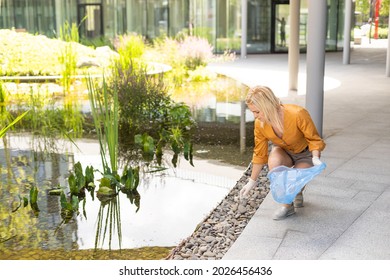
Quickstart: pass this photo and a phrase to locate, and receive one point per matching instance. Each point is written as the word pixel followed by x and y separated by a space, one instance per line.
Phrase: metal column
pixel 388 51
pixel 315 60
pixel 347 32
pixel 293 45
pixel 244 26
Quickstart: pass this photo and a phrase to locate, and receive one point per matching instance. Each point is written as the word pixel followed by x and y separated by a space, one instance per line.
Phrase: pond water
pixel 172 202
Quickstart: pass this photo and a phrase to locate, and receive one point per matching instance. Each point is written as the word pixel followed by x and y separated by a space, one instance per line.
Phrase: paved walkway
pixel 347 207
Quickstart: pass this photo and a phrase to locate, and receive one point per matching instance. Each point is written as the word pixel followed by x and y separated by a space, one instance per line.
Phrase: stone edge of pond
pixel 222 226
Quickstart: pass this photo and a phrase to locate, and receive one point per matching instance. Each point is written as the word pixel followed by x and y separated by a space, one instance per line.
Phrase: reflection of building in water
pixel 25 168
pixel 220 112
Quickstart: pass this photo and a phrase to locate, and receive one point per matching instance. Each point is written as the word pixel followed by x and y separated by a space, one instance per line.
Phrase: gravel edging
pixel 217 232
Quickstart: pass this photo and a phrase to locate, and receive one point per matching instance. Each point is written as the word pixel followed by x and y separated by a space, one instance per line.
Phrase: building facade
pixel 217 20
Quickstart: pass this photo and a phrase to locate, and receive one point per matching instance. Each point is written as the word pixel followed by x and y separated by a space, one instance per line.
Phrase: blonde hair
pixel 267 103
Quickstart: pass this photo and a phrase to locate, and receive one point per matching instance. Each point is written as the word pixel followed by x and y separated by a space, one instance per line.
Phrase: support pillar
pixel 315 60
pixel 243 127
pixel 347 32
pixel 244 26
pixel 293 45
pixel 388 51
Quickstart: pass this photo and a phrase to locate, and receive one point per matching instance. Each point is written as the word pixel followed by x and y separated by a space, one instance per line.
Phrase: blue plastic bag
pixel 287 182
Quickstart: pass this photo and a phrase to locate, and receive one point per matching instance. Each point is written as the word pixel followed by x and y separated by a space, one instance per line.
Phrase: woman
pixel 294 137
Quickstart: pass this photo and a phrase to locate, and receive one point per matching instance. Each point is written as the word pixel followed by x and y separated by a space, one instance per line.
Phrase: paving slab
pixel 347 210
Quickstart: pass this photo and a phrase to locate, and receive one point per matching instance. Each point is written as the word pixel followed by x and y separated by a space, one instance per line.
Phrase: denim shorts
pixel 304 156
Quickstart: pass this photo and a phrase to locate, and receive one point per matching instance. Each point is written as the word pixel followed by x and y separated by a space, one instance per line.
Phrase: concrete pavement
pixel 347 209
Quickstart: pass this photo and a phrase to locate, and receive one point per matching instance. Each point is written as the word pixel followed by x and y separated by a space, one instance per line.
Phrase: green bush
pixel 130 47
pixel 146 109
pixel 382 32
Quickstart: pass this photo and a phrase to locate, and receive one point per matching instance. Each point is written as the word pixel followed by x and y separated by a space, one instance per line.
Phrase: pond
pixel 173 202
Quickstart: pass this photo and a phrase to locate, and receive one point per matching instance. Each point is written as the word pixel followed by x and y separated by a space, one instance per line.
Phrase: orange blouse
pixel 299 132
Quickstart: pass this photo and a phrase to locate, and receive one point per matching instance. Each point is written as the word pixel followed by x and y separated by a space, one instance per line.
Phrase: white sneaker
pixel 284 212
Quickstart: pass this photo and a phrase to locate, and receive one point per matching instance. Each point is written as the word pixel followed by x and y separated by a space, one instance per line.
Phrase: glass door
pixel 280 26
pixel 90 18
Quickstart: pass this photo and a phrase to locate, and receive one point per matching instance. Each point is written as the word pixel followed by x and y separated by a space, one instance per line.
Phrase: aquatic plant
pixel 68 55
pixel 17 119
pixel 105 112
pixel 149 121
pixel 6 121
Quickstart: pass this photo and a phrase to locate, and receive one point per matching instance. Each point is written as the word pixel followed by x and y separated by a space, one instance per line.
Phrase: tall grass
pixel 68 56
pixel 17 119
pixel 105 113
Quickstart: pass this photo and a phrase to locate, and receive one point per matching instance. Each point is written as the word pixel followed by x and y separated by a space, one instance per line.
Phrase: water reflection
pixel 172 202
pixel 218 102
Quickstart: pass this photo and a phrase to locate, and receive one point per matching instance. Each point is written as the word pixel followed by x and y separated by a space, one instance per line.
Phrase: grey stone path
pixel 347 207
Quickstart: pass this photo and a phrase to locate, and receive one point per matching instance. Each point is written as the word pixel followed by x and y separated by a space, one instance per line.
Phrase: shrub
pixel 129 46
pixel 149 115
pixel 195 51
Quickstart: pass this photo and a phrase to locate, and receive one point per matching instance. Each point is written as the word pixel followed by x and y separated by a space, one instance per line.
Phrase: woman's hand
pixel 316 160
pixel 246 189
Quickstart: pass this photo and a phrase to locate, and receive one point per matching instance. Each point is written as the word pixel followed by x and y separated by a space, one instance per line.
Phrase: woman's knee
pixel 278 157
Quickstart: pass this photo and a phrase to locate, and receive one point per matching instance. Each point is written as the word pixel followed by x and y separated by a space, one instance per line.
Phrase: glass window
pixel 20 14
pixel 340 25
pixel 136 21
pixel 203 19
pixel 31 16
pixel 157 18
pixel 178 17
pixel 121 17
pixel 90 21
pixel 259 26
pixel 44 17
pixel 281 30
pixel 303 17
pixel 91 1
pixel 6 10
pixel 228 26
pixel 332 29
pixel 109 17
pixel 147 17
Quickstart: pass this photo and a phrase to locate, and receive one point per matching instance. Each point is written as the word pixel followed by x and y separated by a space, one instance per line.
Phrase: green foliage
pixel 226 44
pixel 96 42
pixel 24 54
pixel 130 47
pixel 68 55
pixel 382 33
pixel 130 181
pixel 184 54
pixel 17 119
pixel 69 206
pixel 201 74
pixel 34 199
pixel 105 112
pixel 149 119
pixel 47 121
pixel 146 143
pixel 78 182
pixel 203 32
pixel 195 51
pixel 363 6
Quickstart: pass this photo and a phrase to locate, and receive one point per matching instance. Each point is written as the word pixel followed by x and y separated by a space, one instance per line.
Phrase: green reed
pixel 105 113
pixel 68 56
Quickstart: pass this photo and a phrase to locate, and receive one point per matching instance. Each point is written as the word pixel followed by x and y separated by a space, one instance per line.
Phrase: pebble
pixel 217 232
